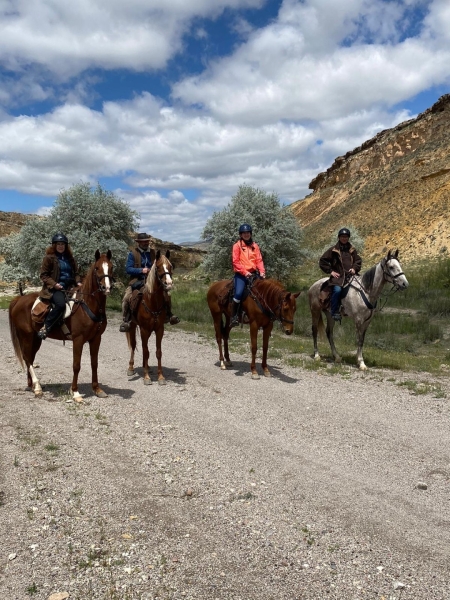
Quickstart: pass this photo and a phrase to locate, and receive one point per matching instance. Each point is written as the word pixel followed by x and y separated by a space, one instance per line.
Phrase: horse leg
pixel 77 352
pixel 159 336
pixel 131 338
pixel 330 327
pixel 145 356
pixel 361 328
pixel 29 352
pixel 218 330
pixel 33 381
pixel 94 347
pixel 316 316
pixel 226 337
pixel 254 345
pixel 266 335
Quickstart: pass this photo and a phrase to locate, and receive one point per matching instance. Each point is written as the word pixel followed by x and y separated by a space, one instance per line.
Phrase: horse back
pixel 217 295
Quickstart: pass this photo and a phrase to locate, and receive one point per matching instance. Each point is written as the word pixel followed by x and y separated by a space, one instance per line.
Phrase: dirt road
pixel 302 486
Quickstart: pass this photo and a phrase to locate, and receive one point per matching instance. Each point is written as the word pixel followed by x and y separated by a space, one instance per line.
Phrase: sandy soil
pixel 216 486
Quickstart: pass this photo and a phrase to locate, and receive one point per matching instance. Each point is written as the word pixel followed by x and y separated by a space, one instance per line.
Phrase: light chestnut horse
pixel 86 324
pixel 151 315
pixel 266 303
pixel 359 303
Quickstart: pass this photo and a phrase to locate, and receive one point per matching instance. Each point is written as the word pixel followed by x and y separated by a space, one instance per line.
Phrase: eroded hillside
pixel 395 188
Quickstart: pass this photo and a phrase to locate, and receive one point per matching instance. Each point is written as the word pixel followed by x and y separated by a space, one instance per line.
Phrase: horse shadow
pixel 60 392
pixel 170 375
pixel 241 369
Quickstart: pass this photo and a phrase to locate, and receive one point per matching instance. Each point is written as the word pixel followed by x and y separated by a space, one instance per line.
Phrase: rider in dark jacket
pixel 59 273
pixel 340 262
pixel 138 265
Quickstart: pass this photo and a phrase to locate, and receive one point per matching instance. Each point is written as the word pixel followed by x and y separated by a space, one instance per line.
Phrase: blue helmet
pixel 59 237
pixel 244 228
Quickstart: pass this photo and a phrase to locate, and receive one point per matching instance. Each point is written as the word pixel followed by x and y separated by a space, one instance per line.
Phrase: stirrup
pixel 124 327
pixel 174 320
pixel 42 333
pixel 234 321
pixel 336 317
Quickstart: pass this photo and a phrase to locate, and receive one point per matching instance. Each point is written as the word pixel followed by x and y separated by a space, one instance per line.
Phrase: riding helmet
pixel 245 228
pixel 344 231
pixel 59 237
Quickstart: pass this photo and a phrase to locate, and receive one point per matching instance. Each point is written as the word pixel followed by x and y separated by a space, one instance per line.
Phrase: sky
pixel 173 105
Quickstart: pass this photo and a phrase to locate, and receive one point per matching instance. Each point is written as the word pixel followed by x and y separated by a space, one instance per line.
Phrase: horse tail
pixel 13 331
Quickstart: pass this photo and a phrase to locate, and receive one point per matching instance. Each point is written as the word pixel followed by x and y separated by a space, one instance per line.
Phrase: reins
pixel 385 295
pixel 266 310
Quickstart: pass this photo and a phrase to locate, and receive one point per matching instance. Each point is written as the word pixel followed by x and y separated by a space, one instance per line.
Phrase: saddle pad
pixel 40 309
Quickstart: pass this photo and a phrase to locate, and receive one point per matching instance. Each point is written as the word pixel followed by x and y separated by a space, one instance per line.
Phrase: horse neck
pixel 270 292
pixel 378 284
pixel 91 293
pixel 152 286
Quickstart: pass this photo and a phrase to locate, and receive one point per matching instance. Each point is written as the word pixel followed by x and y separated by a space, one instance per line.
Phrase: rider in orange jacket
pixel 247 261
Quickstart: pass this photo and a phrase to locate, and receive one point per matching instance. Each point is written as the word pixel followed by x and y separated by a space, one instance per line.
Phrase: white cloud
pixel 313 84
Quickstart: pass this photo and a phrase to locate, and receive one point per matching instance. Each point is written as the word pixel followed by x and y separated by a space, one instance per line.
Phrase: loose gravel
pixel 215 486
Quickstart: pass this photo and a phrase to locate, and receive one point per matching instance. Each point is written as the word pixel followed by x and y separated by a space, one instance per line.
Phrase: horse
pixel 266 303
pixel 86 323
pixel 358 303
pixel 150 314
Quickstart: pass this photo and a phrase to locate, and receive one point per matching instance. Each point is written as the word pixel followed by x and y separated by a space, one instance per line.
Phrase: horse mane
pixel 271 289
pixel 151 278
pixel 368 277
pixel 88 280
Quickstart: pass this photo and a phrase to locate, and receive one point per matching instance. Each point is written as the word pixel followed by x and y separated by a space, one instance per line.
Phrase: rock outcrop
pixel 395 188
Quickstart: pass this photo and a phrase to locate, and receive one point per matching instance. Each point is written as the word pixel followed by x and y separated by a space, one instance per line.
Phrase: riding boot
pixel 235 314
pixel 125 325
pixel 170 317
pixel 51 320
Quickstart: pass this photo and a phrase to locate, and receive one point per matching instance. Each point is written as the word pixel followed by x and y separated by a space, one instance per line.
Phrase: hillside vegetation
pixel 395 188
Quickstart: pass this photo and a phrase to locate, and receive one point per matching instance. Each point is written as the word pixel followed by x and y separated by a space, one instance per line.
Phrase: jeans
pixel 239 286
pixel 335 299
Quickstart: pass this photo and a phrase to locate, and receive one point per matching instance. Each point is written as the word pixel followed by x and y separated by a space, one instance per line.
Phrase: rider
pixel 247 261
pixel 340 261
pixel 138 265
pixel 59 273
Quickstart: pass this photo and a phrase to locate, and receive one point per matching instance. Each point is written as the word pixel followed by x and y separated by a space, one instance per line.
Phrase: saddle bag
pixel 39 310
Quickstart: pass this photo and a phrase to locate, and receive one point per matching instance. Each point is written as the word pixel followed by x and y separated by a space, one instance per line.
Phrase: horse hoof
pixel 338 360
pixel 131 372
pixel 362 367
pixel 317 358
pixel 147 382
pixel 255 376
pixel 267 374
pixel 38 394
pixel 228 363
pixel 223 367
pixel 101 394
pixel 162 381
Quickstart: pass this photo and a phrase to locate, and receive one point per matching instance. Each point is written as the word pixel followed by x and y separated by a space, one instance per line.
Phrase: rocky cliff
pixel 395 188
pixel 11 222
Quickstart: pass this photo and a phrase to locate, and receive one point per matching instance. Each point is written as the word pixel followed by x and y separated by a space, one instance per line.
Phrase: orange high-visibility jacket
pixel 247 259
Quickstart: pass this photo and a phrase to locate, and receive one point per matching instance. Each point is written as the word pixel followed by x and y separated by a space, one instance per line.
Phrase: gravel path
pixel 215 486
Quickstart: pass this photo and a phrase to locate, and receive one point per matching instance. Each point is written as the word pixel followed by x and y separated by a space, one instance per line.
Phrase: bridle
pixel 272 314
pixel 387 276
pixel 164 275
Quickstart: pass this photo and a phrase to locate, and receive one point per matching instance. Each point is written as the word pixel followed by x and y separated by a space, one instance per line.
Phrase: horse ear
pixel 158 255
pixel 109 255
pixel 388 255
pixel 97 254
pixel 297 294
pixel 396 254
pixel 167 253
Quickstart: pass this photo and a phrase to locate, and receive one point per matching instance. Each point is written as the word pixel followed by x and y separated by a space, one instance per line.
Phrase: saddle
pixel 326 289
pixel 135 298
pixel 41 307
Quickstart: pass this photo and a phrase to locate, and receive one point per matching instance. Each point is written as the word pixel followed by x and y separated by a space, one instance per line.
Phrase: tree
pixel 91 218
pixel 275 229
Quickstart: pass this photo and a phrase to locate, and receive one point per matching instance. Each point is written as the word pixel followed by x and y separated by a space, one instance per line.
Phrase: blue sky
pixel 173 105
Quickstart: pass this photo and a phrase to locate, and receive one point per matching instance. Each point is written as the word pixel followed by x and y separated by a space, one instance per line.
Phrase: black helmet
pixel 344 231
pixel 244 228
pixel 59 237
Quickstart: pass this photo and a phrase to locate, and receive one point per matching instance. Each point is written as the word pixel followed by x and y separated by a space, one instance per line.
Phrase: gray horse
pixel 359 303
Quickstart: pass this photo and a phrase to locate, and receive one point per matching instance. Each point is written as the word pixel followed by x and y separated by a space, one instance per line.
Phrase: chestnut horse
pixel 86 323
pixel 267 302
pixel 150 315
